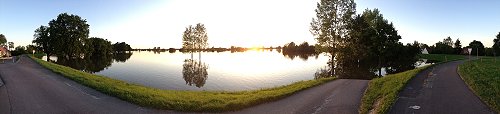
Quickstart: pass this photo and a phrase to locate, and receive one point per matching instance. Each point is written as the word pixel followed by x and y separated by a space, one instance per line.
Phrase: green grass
pixel 199 101
pixel 39 55
pixel 383 92
pixel 442 57
pixel 483 77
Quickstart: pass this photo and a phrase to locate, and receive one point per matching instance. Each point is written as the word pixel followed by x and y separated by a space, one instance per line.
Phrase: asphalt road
pixel 341 96
pixel 439 90
pixel 30 88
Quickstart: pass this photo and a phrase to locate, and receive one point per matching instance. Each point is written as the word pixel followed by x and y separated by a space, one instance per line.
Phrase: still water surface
pixel 217 71
pixel 223 71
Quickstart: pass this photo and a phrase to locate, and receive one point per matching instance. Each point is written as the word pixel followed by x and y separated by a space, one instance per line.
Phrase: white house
pixel 424 51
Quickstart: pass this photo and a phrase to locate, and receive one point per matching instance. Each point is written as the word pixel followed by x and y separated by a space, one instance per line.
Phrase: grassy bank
pixel 382 93
pixel 483 77
pixel 179 100
pixel 442 57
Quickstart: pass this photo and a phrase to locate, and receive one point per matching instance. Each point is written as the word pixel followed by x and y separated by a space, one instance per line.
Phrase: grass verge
pixel 383 92
pixel 442 57
pixel 199 101
pixel 483 77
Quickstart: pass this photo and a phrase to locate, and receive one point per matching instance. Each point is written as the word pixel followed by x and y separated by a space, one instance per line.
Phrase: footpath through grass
pixel 199 101
pixel 383 92
pixel 483 77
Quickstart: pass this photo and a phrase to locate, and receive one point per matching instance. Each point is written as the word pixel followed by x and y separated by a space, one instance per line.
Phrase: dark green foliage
pixel 488 52
pixel 402 57
pixel 19 50
pixel 69 34
pixel 121 47
pixel 3 40
pixel 457 47
pixel 99 47
pixel 43 41
pixel 65 36
pixel 477 48
pixel 444 47
pixel 496 45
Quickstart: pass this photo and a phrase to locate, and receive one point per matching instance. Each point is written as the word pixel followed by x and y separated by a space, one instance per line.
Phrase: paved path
pixel 30 88
pixel 439 90
pixel 341 96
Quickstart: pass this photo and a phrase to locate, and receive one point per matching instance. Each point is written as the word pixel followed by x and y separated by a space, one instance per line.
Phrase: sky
pixel 249 23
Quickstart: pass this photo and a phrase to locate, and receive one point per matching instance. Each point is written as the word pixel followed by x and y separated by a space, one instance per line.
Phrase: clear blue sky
pixel 145 24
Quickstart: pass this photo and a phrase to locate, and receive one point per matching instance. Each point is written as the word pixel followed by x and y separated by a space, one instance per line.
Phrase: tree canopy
pixel 121 46
pixel 444 47
pixel 365 38
pixel 70 33
pixel 496 44
pixel 67 37
pixel 3 40
pixel 457 46
pixel 99 47
pixel 43 40
pixel 330 26
pixel 195 37
pixel 477 46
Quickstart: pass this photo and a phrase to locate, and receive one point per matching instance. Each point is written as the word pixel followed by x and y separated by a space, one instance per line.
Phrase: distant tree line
pixel 67 37
pixel 447 46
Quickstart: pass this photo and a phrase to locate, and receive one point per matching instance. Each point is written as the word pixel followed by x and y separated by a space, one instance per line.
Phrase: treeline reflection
pixel 93 63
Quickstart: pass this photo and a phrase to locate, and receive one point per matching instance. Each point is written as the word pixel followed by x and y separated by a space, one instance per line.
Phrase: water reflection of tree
pixel 93 63
pixel 89 64
pixel 122 57
pixel 194 72
pixel 359 65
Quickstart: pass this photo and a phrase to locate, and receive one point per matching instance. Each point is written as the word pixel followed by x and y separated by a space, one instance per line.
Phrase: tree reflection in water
pixel 93 64
pixel 350 66
pixel 301 55
pixel 194 72
pixel 122 56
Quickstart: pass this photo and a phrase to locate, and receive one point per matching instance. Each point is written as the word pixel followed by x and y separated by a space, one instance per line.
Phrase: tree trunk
pixel 379 66
pixel 48 57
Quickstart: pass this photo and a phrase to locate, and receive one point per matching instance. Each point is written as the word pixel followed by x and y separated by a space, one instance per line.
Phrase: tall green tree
pixel 43 41
pixel 477 48
pixel 457 46
pixel 496 44
pixel 444 47
pixel 99 47
pixel 385 37
pixel 195 37
pixel 70 34
pixel 3 40
pixel 448 41
pixel 330 26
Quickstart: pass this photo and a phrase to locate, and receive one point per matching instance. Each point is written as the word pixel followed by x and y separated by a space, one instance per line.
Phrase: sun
pixel 256 47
